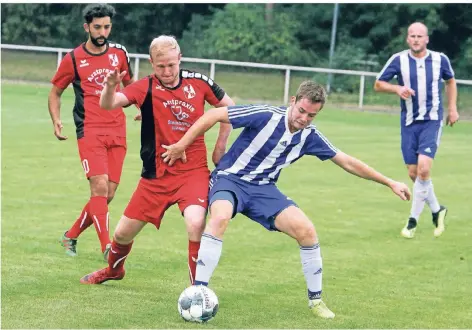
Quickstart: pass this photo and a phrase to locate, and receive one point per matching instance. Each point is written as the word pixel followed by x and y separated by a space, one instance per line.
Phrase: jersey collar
pixel 171 88
pixel 92 54
pixel 421 58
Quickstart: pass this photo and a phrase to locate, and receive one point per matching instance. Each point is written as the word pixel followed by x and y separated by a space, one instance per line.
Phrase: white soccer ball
pixel 197 303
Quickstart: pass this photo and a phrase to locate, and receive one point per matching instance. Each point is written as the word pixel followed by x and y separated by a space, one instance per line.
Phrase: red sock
pixel 83 222
pixel 98 208
pixel 117 256
pixel 193 248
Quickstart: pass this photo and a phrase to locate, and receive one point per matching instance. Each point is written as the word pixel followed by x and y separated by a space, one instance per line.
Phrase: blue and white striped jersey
pixel 266 145
pixel 424 76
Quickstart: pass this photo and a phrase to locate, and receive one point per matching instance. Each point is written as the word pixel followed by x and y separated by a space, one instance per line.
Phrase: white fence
pixel 287 68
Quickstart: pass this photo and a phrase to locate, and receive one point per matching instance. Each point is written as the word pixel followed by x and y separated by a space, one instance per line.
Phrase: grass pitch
pixel 373 278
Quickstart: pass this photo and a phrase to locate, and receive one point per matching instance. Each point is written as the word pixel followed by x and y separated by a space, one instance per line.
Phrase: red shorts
pixel 102 154
pixel 153 197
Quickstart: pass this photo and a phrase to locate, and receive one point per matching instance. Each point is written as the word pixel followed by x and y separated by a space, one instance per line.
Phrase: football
pixel 198 304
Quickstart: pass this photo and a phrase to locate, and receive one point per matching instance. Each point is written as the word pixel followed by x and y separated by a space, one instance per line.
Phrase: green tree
pixel 240 33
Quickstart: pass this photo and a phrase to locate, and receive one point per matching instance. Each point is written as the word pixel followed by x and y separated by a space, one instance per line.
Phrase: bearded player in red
pixel 101 134
pixel 171 100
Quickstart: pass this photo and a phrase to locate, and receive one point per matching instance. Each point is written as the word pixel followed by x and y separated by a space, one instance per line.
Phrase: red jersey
pixel 87 72
pixel 167 113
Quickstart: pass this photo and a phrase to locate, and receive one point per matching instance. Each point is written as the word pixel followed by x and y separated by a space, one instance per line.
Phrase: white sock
pixel 312 267
pixel 208 258
pixel 432 200
pixel 420 194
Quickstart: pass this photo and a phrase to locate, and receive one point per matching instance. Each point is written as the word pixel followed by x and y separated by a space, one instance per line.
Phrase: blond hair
pixel 312 91
pixel 162 45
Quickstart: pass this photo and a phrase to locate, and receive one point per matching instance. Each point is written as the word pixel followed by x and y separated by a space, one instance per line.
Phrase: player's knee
pixel 195 225
pixel 306 235
pixel 424 172
pixel 122 237
pixel 99 185
pixel 218 223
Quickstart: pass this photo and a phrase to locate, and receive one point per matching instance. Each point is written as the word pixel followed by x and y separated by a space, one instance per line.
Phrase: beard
pixel 98 42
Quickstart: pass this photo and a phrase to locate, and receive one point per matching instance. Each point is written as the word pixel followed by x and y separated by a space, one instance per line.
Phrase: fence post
pixel 136 68
pixel 286 86
pixel 212 71
pixel 361 92
pixel 59 58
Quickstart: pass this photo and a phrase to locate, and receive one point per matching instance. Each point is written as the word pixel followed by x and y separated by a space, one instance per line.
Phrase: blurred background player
pixel 101 135
pixel 171 100
pixel 245 179
pixel 420 73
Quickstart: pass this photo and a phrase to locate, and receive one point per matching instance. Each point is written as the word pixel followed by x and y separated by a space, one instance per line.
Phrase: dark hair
pixel 97 10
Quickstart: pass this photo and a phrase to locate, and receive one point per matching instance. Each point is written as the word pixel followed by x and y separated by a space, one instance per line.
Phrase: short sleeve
pixel 390 70
pixel 446 68
pixel 214 93
pixel 318 145
pixel 136 92
pixel 126 65
pixel 250 115
pixel 65 74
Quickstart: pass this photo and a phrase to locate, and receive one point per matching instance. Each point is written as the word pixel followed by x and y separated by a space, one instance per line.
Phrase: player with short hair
pixel 245 179
pixel 420 73
pixel 171 100
pixel 101 135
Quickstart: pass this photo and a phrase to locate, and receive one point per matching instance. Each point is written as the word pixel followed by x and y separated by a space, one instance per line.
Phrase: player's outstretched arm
pixel 361 169
pixel 110 99
pixel 54 105
pixel 203 124
pixel 403 91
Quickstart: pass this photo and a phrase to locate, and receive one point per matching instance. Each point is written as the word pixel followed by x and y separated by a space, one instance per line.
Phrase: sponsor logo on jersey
pixel 180 103
pixel 179 113
pixel 97 76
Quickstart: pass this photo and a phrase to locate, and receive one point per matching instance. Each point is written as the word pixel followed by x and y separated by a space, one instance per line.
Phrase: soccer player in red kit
pixel 101 134
pixel 171 100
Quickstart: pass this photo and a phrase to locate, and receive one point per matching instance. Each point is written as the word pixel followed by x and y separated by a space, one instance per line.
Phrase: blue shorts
pixel 260 203
pixel 421 137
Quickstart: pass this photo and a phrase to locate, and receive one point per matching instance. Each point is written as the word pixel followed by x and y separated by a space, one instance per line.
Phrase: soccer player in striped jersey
pixel 244 181
pixel 420 73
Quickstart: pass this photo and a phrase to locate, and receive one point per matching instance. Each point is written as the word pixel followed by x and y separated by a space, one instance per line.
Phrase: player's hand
pixel 58 131
pixel 114 78
pixel 405 92
pixel 173 153
pixel 452 117
pixel 401 190
pixel 138 116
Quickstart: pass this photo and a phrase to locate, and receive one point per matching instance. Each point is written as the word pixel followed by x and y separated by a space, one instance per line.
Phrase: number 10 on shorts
pixel 85 165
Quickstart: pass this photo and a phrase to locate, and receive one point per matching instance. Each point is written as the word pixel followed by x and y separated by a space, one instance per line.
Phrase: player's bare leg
pixel 125 233
pixel 294 222
pixel 194 216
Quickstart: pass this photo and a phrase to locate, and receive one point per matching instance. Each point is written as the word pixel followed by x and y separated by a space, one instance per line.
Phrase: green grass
pixel 373 278
pixel 241 83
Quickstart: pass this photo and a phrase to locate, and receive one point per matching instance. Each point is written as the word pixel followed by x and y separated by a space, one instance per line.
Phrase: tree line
pixel 294 34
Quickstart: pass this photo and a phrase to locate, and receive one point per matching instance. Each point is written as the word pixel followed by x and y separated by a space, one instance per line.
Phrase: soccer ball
pixel 197 304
